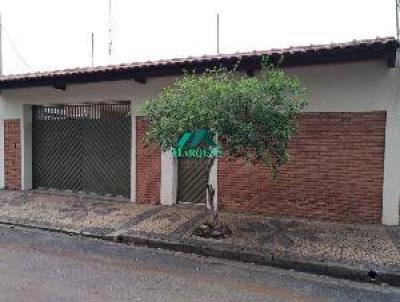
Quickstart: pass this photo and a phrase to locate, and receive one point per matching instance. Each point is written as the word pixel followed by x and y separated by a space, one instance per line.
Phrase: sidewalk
pixel 340 250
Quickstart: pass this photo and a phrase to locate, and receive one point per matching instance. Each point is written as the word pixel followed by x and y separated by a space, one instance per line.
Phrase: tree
pixel 250 117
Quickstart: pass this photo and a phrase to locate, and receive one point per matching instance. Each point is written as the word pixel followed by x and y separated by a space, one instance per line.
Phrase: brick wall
pixel 12 154
pixel 335 172
pixel 148 167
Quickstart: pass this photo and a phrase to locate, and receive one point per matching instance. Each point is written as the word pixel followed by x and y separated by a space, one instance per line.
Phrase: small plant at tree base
pixel 211 229
pixel 252 118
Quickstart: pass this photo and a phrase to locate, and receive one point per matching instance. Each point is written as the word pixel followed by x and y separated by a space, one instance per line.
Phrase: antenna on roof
pixel 397 20
pixel 1 48
pixel 110 43
pixel 92 49
pixel 218 33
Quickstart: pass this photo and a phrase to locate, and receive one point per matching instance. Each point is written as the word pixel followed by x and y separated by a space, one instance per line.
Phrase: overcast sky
pixel 54 34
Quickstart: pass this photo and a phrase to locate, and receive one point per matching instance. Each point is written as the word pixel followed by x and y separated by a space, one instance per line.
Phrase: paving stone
pixel 68 211
pixel 347 244
pixel 365 246
pixel 166 221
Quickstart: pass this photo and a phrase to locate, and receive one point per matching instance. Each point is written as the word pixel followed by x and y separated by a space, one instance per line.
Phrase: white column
pixel 169 178
pixel 213 180
pixel 391 184
pixel 26 148
pixel 2 154
pixel 133 159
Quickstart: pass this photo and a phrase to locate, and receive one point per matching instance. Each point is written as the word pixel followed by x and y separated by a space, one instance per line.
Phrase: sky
pixel 41 35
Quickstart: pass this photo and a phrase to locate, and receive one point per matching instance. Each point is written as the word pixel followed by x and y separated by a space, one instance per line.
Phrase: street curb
pixel 318 268
pixel 326 269
pixel 53 229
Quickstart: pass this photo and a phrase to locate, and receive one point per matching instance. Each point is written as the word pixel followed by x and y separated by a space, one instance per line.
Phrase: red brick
pixel 335 172
pixel 148 167
pixel 12 154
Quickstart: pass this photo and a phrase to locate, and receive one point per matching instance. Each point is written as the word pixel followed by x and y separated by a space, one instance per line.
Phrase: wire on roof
pixel 17 52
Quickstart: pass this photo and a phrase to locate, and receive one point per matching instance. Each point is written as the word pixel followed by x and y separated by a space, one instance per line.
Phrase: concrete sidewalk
pixel 341 250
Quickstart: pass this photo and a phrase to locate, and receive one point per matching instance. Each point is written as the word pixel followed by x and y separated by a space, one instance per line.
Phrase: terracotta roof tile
pixel 88 74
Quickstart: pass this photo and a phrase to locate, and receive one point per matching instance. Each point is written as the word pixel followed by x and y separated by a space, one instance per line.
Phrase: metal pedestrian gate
pixel 82 148
pixel 192 180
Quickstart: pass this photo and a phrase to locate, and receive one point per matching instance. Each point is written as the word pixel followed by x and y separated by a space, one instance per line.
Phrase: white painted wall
pixel 11 101
pixel 391 183
pixel 358 86
pixel 363 86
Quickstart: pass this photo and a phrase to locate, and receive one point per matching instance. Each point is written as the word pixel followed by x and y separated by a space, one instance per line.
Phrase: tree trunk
pixel 211 201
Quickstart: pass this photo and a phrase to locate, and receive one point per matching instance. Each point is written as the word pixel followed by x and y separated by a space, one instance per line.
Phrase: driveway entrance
pixel 82 148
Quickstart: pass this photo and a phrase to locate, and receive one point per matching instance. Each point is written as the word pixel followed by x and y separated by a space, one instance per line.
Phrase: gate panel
pixel 192 180
pixel 82 148
pixel 56 154
pixel 106 157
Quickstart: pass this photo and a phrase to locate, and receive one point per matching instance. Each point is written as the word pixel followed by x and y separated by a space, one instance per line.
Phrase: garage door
pixel 82 148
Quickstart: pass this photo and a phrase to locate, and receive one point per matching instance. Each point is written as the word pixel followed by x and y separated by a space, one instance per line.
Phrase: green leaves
pixel 254 117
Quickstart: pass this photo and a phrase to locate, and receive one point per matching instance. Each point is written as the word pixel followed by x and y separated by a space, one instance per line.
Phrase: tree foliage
pixel 252 117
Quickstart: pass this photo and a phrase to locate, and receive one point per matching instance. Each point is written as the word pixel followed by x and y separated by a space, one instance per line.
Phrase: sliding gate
pixel 82 148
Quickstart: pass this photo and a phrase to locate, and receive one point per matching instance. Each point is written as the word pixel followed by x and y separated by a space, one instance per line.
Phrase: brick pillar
pixel 148 167
pixel 12 154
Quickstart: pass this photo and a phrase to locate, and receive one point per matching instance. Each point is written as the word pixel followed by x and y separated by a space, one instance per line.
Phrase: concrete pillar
pixel 213 180
pixel 26 148
pixel 169 178
pixel 391 184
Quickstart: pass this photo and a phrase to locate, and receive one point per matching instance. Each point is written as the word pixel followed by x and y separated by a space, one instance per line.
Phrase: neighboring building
pixel 71 129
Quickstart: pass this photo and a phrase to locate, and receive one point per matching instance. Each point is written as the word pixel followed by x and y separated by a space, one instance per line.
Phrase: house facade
pixel 78 130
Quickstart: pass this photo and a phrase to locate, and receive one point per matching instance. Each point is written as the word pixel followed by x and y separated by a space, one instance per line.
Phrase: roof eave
pixel 248 62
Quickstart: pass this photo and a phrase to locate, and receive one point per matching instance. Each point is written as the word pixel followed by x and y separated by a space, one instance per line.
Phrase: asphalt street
pixel 43 266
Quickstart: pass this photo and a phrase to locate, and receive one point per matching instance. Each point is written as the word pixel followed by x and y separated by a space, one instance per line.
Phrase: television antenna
pixel 218 33
pixel 110 42
pixel 1 49
pixel 397 19
pixel 92 49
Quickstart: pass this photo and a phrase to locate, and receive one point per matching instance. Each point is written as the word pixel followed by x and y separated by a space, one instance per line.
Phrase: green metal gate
pixel 82 148
pixel 192 180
